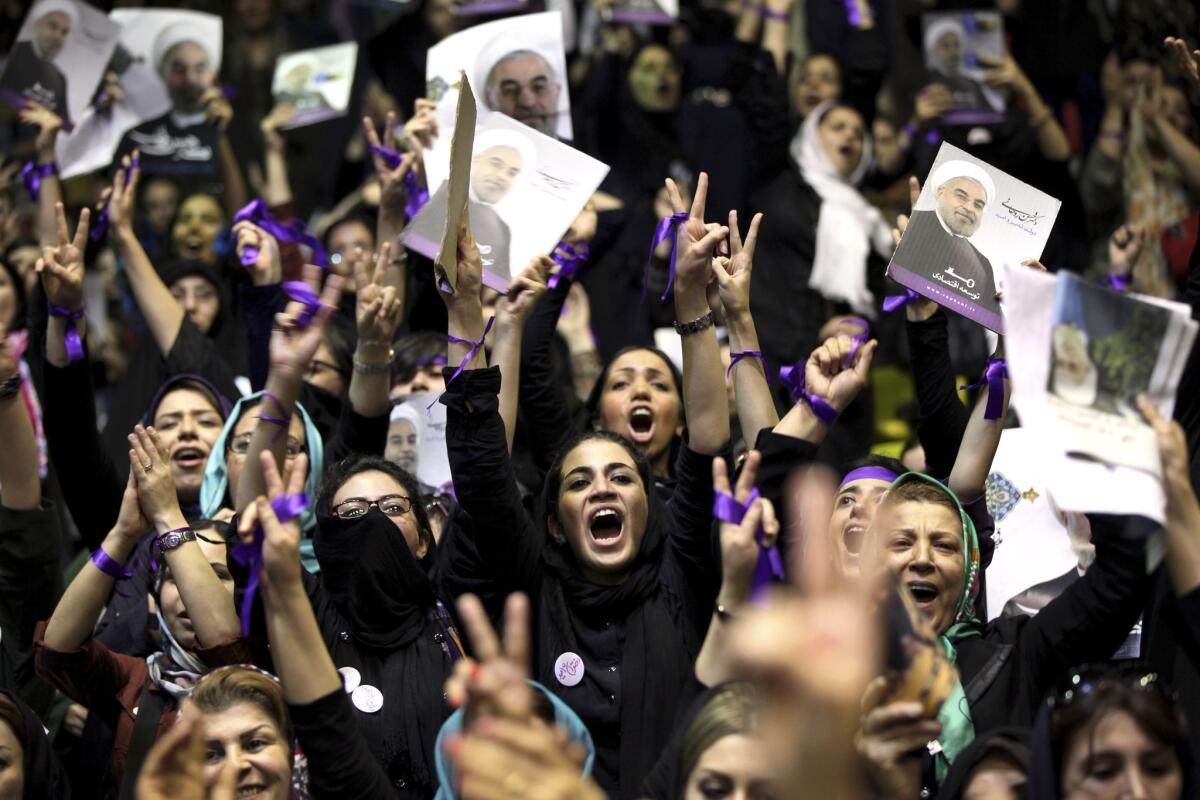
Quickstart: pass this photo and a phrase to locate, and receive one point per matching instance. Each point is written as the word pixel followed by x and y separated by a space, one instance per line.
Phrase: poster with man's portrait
pixel 477 8
pixel 650 12
pixel 58 58
pixel 1078 360
pixel 515 66
pixel 525 191
pixel 959 47
pixel 315 83
pixel 417 439
pixel 971 225
pixel 165 62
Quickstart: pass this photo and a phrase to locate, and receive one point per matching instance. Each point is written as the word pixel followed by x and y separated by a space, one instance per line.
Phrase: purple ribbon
pixel 895 301
pixel 853 15
pixel 429 362
pixel 994 377
pixel 100 226
pixel 770 566
pixel 793 378
pixel 256 211
pixel 858 339
pixel 569 259
pixel 301 293
pixel 249 554
pixel 1120 283
pixel 71 338
pixel 13 99
pixel 734 358
pixel 868 473
pixel 32 175
pixel 418 195
pixel 666 227
pixel 282 423
pixel 475 345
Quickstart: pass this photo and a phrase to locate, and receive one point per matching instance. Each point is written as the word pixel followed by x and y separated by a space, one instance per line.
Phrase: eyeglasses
pixel 394 505
pixel 240 444
pixel 316 367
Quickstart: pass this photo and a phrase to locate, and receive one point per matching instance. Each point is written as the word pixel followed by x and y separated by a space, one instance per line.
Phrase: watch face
pixel 171 541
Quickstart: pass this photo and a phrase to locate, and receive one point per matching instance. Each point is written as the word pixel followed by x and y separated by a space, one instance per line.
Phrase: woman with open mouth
pixel 621 582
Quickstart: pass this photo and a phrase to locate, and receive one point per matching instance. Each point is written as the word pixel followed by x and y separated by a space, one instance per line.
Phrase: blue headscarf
pixel 216 477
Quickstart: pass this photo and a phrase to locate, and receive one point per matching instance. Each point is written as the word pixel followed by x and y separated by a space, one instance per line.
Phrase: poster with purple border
pixel 971 224
pixel 958 46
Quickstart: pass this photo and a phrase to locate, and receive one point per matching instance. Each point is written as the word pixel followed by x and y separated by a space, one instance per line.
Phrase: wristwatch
pixel 173 539
pixel 696 325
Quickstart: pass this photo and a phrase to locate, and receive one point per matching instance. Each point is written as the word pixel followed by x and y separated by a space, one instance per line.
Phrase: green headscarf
pixel 955 714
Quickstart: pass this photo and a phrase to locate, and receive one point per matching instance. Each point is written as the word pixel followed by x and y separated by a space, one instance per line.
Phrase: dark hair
pixel 835 105
pixel 730 711
pixel 1148 703
pixel 918 491
pixel 354 217
pixel 414 351
pixel 10 713
pixel 554 476
pixel 341 338
pixel 197 385
pixel 874 460
pixel 337 475
pixel 593 401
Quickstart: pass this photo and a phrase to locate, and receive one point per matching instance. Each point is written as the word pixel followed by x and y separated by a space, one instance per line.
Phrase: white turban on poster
pixel 498 137
pixel 950 170
pixel 178 33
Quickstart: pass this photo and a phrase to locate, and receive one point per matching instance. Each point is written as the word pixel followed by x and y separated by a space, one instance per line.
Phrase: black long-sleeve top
pixel 496 549
pixel 942 419
pixel 339 762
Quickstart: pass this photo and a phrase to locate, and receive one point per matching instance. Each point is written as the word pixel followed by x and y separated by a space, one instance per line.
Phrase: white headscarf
pixel 848 227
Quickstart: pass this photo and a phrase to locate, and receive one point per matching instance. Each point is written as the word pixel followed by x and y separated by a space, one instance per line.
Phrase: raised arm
pixel 979 442
pixel 1183 510
pixel 276 190
pixel 393 195
pixel 209 604
pixel 755 406
pixel 339 765
pixel 705 400
pixel 512 312
pixel 20 485
pixel 50 189
pixel 292 348
pixel 378 312
pixel 220 112
pixel 162 312
pixel 834 373
pixel 1006 73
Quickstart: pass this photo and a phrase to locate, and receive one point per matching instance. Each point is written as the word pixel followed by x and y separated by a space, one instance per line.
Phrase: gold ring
pixel 515 784
pixel 148 467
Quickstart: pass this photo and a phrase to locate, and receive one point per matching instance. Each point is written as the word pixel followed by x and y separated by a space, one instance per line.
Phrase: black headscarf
pixel 45 778
pixel 387 596
pixel 658 652
pixel 1012 743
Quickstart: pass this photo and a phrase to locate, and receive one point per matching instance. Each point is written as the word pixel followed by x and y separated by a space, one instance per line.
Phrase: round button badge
pixel 351 679
pixel 367 699
pixel 568 669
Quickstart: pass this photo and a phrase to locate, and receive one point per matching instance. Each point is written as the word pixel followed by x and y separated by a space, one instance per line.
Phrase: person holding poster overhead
pixel 30 71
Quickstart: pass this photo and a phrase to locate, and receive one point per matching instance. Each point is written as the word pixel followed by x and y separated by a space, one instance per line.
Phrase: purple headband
pixel 868 473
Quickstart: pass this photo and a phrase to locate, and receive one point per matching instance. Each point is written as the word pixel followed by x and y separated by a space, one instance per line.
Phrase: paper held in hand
pixel 971 228
pixel 446 265
pixel 1078 361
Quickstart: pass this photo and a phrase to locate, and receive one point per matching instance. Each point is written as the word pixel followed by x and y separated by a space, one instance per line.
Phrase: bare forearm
pixel 1112 132
pixel 369 390
pixel 465 322
pixel 231 177
pixel 1183 537
pixel 801 423
pixel 301 659
pixel 978 448
pixel 705 401
pixel 209 605
pixel 267 435
pixel 506 354
pixel 76 613
pixel 49 195
pixel 747 24
pixel 775 42
pixel 1051 140
pixel 162 313
pixel 278 190
pixel 20 484
pixel 755 407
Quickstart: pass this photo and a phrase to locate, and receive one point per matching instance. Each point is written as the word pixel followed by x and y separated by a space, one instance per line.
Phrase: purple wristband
pixel 769 568
pixel 793 378
pixel 779 16
pixel 71 339
pixel 734 358
pixel 1120 283
pixel 110 566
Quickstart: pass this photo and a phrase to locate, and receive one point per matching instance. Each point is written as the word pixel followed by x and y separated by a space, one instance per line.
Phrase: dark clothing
pixel 928 248
pixel 1036 597
pixel 44 778
pixel 36 79
pixel 110 684
pixel 491 233
pixel 185 154
pixel 967 93
pixel 30 585
pixel 1012 743
pixel 339 761
pixel 637 640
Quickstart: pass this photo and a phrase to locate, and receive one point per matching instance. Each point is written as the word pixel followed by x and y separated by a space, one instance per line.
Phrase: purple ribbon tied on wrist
pixel 100 226
pixel 895 301
pixel 769 568
pixel 734 358
pixel 569 259
pixel 71 338
pixel 418 195
pixel 858 339
pixel 475 345
pixel 32 175
pixel 993 377
pixel 666 227
pixel 256 211
pixel 853 14
pixel 249 554
pixel 1120 283
pixel 793 378
pixel 301 293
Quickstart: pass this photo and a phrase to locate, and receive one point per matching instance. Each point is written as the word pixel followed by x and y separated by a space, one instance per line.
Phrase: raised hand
pixel 495 683
pixel 1186 64
pixel 378 311
pixel 1172 448
pixel 281 540
pixel 695 241
pixel 1006 73
pixel 469 282
pixel 733 272
pixel 831 374
pixel 175 766
pixel 131 523
pixel 393 193
pixel 267 268
pixel 281 115
pixel 151 466
pixel 61 267
pixel 739 541
pixel 932 102
pixel 48 124
pixel 514 308
pixel 216 108
pixel 292 347
pixel 122 194
pixel 422 127
pixel 1124 247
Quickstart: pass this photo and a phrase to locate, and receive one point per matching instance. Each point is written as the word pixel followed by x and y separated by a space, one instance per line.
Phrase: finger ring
pixel 147 467
pixel 515 784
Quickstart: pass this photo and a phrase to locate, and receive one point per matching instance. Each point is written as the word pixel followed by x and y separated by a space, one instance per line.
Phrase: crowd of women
pixel 748 564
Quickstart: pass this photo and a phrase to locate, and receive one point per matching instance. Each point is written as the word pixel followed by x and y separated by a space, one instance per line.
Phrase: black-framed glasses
pixel 240 444
pixel 394 505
